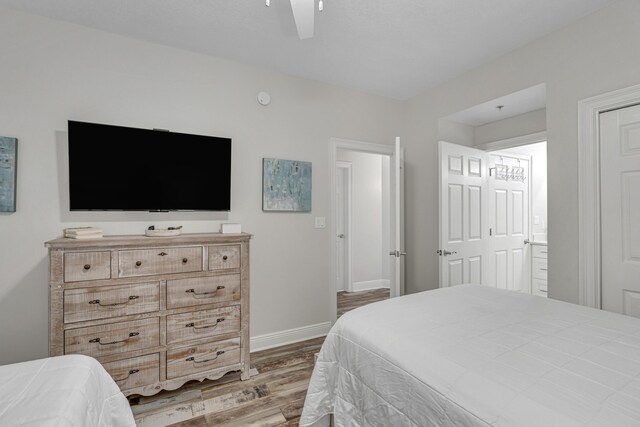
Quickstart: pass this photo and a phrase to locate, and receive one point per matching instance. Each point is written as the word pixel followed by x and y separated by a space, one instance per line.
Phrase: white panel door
pixel 463 215
pixel 343 207
pixel 397 221
pixel 509 210
pixel 620 210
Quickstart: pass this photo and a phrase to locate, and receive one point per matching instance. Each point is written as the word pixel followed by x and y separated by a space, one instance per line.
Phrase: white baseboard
pixel 371 284
pixel 289 336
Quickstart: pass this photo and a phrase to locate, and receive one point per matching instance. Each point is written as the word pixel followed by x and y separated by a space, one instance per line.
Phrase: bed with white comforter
pixel 477 356
pixel 61 391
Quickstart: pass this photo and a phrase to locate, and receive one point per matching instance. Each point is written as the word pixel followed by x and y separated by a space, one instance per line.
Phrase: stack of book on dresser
pixel 83 233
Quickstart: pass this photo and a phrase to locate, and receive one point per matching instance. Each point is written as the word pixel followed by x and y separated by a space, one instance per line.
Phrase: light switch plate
pixel 320 222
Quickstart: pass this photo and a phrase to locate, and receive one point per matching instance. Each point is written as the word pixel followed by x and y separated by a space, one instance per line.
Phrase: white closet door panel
pixel 620 210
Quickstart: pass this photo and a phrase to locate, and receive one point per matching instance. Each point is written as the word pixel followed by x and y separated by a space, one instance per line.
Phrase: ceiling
pixel 394 48
pixel 516 103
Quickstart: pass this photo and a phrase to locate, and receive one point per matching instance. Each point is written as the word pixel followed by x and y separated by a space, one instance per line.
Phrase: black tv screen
pixel 129 169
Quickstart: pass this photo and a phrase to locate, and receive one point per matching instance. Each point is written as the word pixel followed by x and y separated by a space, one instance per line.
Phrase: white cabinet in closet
pixel 539 269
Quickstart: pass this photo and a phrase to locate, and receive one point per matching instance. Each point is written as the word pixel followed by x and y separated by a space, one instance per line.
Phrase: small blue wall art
pixel 8 168
pixel 286 185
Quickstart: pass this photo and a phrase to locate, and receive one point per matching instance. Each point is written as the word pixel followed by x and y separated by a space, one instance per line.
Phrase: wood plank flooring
pixel 272 397
pixel 349 300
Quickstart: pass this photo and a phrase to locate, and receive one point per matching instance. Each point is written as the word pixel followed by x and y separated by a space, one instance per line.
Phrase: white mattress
pixel 61 391
pixel 476 356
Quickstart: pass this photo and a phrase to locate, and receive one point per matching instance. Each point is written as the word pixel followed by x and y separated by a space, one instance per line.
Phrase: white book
pixel 82 230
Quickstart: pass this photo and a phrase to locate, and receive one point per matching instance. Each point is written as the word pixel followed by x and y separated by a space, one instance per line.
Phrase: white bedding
pixel 61 391
pixel 476 356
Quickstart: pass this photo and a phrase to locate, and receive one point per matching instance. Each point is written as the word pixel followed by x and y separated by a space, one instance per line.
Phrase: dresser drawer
pixel 539 251
pixel 135 372
pixel 115 338
pixel 203 290
pixel 110 301
pixel 204 357
pixel 224 257
pixel 145 262
pixel 539 269
pixel 202 324
pixel 80 266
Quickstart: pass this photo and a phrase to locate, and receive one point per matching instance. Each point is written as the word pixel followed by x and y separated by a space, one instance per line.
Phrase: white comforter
pixel 477 356
pixel 61 391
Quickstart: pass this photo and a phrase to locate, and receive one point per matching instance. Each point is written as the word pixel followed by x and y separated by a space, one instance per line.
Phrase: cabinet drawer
pixel 539 268
pixel 115 338
pixel 202 324
pixel 539 287
pixel 224 257
pixel 79 266
pixel 110 301
pixel 203 290
pixel 146 262
pixel 539 251
pixel 135 372
pixel 204 357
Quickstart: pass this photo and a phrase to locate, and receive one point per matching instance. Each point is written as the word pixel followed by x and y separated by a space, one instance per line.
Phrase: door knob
pixel 341 236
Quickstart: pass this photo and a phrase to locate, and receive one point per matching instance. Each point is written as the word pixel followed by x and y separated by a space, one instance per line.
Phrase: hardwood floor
pixel 349 300
pixel 272 397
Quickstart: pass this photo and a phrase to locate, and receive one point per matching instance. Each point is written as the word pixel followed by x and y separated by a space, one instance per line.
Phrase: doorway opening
pixel 367 235
pixel 362 245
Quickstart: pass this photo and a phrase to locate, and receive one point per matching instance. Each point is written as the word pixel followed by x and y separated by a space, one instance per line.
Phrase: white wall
pixel 54 71
pixel 597 54
pixel 523 124
pixel 368 234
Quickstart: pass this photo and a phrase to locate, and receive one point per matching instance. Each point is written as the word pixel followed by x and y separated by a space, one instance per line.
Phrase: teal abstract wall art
pixel 286 185
pixel 8 173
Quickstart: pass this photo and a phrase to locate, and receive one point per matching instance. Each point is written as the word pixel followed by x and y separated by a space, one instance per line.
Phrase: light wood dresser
pixel 155 311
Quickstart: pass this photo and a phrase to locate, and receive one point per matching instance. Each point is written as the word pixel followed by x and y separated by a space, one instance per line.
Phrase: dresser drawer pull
pixel 138 263
pixel 131 372
pixel 115 304
pixel 543 269
pixel 206 294
pixel 543 252
pixel 193 325
pixel 193 359
pixel 87 266
pixel 131 335
pixel 162 254
pixel 184 260
pixel 224 258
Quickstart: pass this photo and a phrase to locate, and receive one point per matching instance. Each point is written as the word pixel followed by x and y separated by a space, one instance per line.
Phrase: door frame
pixel 336 144
pixel 589 225
pixel 346 166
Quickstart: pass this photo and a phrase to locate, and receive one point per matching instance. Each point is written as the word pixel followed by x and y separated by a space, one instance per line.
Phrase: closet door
pixel 509 207
pixel 464 229
pixel 620 210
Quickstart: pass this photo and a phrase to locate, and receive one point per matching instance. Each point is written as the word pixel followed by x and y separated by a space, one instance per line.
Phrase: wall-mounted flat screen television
pixel 128 169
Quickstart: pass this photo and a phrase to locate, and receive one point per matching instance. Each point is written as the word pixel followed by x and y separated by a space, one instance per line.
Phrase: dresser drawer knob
pixel 224 258
pixel 163 254
pixel 131 372
pixel 138 263
pixel 114 304
pixel 210 294
pixel 184 260
pixel 87 266
pixel 193 325
pixel 193 359
pixel 131 335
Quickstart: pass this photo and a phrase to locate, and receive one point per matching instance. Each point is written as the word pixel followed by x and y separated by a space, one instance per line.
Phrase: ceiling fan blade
pixel 303 13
